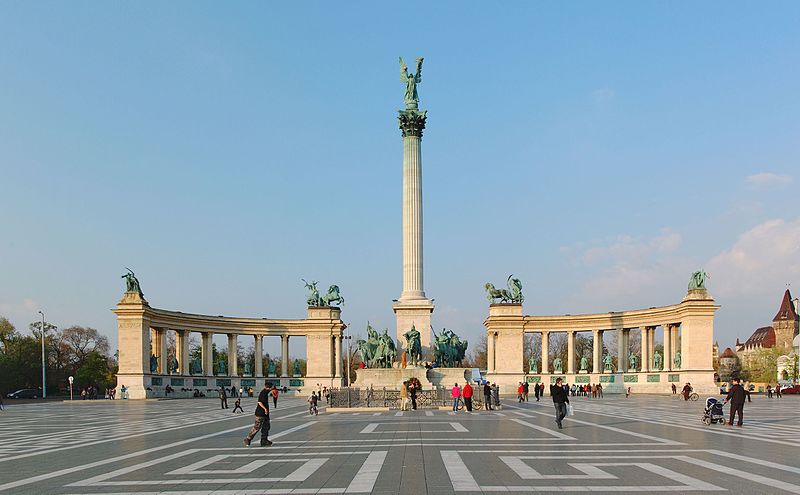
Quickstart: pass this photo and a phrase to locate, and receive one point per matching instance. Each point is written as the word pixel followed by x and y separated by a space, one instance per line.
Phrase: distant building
pixel 780 335
pixel 728 365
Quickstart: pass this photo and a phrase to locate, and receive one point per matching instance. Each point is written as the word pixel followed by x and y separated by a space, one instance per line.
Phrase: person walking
pixel 736 397
pixel 237 406
pixel 455 392
pixel 487 396
pixel 467 392
pixel 223 398
pixel 769 391
pixel 600 390
pixel 262 420
pixel 525 388
pixel 627 392
pixel 404 397
pixel 674 389
pixel 312 403
pixel 413 393
pixel 687 389
pixel 274 393
pixel 560 401
pixel 778 394
pixel 520 392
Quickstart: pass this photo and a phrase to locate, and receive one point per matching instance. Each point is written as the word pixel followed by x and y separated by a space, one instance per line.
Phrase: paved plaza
pixel 641 444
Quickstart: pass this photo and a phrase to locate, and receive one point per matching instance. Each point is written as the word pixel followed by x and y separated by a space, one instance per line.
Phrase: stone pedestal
pixel 417 314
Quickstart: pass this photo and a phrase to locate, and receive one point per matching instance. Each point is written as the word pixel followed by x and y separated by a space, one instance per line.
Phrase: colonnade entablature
pixel 687 336
pixel 146 367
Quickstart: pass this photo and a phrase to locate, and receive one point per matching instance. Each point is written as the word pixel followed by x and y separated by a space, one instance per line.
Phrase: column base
pixel 415 313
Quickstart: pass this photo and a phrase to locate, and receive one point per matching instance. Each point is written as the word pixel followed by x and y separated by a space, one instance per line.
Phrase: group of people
pixel 91 393
pixel 408 392
pixel 774 391
pixel 223 396
pixel 587 390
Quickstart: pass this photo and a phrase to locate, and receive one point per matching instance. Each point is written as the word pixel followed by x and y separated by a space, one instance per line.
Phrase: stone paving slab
pixel 642 444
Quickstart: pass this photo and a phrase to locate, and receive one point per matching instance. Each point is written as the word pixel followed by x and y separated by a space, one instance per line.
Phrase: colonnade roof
pixel 698 304
pixel 320 320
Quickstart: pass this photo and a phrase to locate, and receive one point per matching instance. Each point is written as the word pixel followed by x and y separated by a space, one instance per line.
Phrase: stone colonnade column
pixel 571 352
pixel 259 356
pixel 208 354
pixel 645 351
pixel 651 346
pixel 597 349
pixel 161 350
pixel 545 352
pixel 182 351
pixel 622 351
pixel 675 346
pixel 284 355
pixel 667 347
pixel 233 354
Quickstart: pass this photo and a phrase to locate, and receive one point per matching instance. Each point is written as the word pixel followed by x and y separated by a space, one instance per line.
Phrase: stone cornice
pixel 176 320
pixel 652 317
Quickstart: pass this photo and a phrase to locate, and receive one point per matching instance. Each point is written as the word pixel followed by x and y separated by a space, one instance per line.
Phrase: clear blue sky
pixel 600 152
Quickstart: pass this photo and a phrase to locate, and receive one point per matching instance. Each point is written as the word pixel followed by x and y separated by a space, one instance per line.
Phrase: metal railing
pixel 383 397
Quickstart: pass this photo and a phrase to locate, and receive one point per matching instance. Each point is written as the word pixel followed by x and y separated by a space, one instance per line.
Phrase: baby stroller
pixel 713 412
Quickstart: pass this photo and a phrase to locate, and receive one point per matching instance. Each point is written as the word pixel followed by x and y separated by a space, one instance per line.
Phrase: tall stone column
pixel 597 350
pixel 651 345
pixel 182 351
pixel 259 356
pixel 413 307
pixel 208 354
pixel 622 351
pixel 284 355
pixel 667 347
pixel 545 352
pixel 570 352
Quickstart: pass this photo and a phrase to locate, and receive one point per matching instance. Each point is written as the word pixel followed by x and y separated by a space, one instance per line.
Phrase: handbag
pixel 570 410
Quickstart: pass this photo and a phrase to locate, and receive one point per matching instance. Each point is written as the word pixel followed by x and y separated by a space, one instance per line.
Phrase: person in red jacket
pixel 467 394
pixel 520 392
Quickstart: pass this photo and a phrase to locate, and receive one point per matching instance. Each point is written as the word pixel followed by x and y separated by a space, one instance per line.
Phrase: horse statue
pixel 386 352
pixel 449 350
pixel 332 296
pixel 313 293
pixel 413 345
pixel 513 294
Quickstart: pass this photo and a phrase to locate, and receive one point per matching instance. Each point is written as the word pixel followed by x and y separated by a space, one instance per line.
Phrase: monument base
pixel 654 382
pixel 417 313
pixel 393 378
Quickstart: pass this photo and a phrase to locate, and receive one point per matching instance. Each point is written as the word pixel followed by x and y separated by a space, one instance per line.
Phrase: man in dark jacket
pixel 487 396
pixel 736 397
pixel 262 419
pixel 560 401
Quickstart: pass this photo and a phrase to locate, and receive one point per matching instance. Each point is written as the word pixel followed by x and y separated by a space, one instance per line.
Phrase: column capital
pixel 412 122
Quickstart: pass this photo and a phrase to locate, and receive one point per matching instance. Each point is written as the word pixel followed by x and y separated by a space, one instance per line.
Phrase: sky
pixel 224 151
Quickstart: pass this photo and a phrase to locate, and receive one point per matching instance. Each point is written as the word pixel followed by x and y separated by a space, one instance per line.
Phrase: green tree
pixel 762 365
pixel 95 370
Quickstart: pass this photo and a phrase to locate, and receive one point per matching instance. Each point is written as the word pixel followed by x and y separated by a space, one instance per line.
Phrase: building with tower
pixel 779 335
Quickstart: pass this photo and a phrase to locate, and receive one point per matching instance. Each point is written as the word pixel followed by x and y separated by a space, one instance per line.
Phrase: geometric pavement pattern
pixel 190 446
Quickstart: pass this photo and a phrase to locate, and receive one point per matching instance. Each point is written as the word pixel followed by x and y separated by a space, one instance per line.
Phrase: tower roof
pixel 728 353
pixel 786 311
pixel 764 336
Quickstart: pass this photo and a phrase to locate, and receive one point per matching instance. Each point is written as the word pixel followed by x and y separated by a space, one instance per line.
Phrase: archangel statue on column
pixel 411 80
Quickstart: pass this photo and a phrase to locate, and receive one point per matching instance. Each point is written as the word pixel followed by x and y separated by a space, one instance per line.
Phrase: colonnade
pixel 688 329
pixel 159 345
pixel 143 329
pixel 645 357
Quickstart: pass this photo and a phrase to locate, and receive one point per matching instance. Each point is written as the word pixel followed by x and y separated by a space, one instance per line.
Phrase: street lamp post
pixel 44 372
pixel 347 338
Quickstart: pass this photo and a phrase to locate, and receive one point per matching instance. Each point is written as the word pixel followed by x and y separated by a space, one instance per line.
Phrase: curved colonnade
pixel 688 328
pixel 142 328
